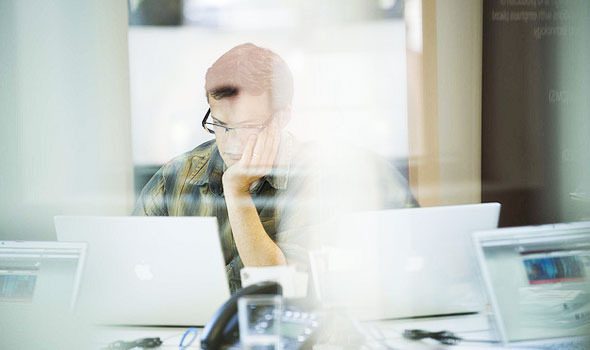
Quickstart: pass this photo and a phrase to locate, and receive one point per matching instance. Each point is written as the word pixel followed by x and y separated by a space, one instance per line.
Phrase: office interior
pixel 472 101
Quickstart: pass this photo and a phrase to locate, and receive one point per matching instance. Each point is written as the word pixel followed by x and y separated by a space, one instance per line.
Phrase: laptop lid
pixel 148 270
pixel 407 262
pixel 537 280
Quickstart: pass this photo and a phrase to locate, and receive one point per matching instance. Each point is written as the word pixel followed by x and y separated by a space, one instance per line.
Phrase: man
pixel 253 176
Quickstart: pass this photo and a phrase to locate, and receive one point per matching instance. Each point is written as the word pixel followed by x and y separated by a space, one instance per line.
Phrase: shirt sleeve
pixel 395 188
pixel 320 194
pixel 152 200
pixel 302 219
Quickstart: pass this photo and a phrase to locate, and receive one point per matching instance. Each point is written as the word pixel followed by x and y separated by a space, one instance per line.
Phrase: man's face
pixel 240 111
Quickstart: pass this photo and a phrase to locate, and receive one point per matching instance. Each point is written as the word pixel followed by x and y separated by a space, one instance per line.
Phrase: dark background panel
pixel 533 54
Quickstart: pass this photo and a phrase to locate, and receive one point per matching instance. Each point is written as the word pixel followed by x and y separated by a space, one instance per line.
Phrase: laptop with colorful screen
pixel 538 284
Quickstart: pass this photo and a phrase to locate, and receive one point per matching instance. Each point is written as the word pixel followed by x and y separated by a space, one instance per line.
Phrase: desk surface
pixel 471 327
pixel 468 327
pixel 381 334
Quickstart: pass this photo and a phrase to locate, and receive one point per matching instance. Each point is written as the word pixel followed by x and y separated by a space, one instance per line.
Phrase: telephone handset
pixel 223 327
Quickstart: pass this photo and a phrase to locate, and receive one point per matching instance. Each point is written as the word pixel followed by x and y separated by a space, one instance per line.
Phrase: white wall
pixel 350 83
pixel 64 109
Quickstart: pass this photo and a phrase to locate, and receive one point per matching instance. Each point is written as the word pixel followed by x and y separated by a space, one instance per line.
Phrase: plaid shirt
pixel 290 201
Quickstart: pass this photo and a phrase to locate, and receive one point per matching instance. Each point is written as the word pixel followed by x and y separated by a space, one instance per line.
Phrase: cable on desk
pixel 144 343
pixel 190 331
pixel 444 337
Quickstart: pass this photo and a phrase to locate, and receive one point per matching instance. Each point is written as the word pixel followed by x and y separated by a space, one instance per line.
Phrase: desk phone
pixel 298 327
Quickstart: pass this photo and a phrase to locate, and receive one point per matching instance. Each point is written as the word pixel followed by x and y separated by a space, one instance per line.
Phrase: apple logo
pixel 144 272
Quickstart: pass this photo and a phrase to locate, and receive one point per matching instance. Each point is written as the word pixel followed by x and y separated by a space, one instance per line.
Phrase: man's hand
pixel 257 161
pixel 255 246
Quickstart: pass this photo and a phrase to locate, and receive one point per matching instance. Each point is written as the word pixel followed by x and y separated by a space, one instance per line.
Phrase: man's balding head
pixel 253 70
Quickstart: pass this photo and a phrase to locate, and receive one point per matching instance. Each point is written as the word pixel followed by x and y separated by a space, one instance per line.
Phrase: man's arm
pixel 254 245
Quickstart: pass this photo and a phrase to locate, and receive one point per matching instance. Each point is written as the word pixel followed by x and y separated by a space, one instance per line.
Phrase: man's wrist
pixel 235 191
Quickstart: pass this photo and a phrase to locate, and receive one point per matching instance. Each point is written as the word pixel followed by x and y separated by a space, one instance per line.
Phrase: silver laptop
pixel 405 262
pixel 39 274
pixel 38 288
pixel 538 283
pixel 148 270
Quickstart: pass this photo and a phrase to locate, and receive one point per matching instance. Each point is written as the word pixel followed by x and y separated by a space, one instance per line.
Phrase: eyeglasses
pixel 245 131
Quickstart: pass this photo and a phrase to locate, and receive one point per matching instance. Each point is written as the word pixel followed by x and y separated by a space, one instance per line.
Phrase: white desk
pixel 468 327
pixel 474 327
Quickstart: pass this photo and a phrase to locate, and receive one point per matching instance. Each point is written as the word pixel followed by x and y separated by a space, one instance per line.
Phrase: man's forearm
pixel 254 245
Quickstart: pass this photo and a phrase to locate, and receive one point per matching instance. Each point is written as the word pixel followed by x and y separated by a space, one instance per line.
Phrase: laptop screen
pixel 39 273
pixel 539 283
